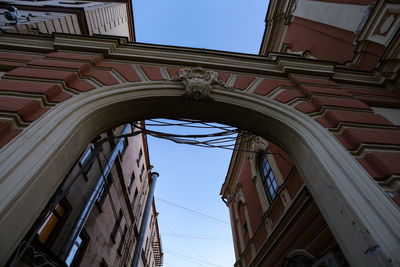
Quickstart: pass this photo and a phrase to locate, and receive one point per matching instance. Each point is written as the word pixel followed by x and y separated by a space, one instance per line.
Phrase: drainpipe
pixel 80 222
pixel 145 219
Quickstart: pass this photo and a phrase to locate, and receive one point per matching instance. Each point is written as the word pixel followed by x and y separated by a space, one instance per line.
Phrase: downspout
pixel 145 219
pixel 80 222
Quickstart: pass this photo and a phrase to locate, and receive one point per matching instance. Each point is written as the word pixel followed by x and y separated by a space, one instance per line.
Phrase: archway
pixel 363 220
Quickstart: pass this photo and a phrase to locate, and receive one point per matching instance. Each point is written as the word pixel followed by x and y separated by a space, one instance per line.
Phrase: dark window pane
pixel 268 178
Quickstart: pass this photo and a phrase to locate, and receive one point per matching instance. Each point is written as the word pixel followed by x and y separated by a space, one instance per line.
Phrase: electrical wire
pixel 182 240
pixel 199 237
pixel 202 215
pixel 192 259
pixel 227 133
pixel 225 138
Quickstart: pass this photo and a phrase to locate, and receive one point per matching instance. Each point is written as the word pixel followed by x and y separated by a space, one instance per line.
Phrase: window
pixel 103 190
pixel 146 248
pixel 134 198
pixel 78 249
pixel 268 178
pixel 245 228
pixel 116 226
pixel 53 223
pixel 141 172
pixel 131 181
pixel 85 163
pixel 139 156
pixel 122 241
pixel 300 261
pixel 87 154
pixel 126 143
pixel 103 263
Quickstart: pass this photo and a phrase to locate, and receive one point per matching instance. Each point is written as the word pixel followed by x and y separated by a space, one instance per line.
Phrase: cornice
pixel 29 43
pixel 227 187
pixel 278 14
pixel 282 65
pixel 235 166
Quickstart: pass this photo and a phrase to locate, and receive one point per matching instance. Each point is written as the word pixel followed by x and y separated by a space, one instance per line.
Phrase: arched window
pixel 300 261
pixel 267 177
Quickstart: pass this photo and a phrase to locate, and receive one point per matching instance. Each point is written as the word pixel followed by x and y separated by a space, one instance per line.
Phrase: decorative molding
pixel 198 82
pixel 112 49
pixel 388 24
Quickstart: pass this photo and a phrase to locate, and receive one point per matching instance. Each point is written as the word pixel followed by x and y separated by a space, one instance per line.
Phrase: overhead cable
pixel 194 212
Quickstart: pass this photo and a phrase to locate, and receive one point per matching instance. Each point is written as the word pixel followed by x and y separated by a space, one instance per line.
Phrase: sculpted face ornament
pixel 198 82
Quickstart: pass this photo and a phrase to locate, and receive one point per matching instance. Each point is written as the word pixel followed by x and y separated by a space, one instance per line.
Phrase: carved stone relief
pixel 198 82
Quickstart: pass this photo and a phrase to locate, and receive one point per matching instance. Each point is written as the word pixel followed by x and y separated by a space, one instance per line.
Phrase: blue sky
pixel 191 177
pixel 229 25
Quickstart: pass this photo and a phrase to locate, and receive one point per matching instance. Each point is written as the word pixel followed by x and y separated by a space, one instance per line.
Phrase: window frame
pixel 61 220
pixel 135 195
pixel 139 156
pixel 142 170
pixel 125 146
pixel 131 181
pixel 79 254
pixel 268 178
pixel 122 240
pixel 117 224
pixel 101 195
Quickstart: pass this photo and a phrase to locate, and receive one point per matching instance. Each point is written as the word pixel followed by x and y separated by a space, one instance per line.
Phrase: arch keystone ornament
pixel 198 82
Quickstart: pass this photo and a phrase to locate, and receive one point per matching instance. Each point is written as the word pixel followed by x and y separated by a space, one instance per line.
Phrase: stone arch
pixel 363 220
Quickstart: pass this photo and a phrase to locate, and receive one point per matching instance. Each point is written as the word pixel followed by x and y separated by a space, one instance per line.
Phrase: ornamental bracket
pixel 198 82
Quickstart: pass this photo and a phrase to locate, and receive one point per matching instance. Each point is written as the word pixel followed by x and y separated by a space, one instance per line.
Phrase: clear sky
pixel 191 177
pixel 229 25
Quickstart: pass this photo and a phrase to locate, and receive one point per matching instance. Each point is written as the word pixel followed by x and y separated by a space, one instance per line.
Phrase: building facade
pixel 99 209
pixel 72 17
pixel 337 120
pixel 95 216
pixel 275 220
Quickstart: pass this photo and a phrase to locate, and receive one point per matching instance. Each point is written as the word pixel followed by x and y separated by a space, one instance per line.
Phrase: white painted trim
pixel 33 164
pixel 342 16
pixel 384 40
pixel 391 114
pixel 234 236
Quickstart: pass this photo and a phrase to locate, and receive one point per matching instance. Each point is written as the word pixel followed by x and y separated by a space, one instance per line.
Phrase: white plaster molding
pixel 392 114
pixel 164 73
pixel 261 145
pixel 183 56
pixel 233 225
pixel 384 23
pixel 285 198
pixel 258 144
pixel 344 16
pixel 253 86
pixel 231 80
pixel 360 215
pixel 142 75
